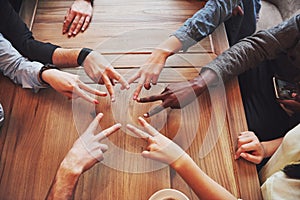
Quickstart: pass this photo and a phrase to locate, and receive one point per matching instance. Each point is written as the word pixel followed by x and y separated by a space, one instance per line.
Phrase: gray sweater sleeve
pixel 249 52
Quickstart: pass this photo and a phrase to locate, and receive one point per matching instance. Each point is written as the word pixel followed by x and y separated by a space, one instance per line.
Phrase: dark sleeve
pixel 264 45
pixel 16 31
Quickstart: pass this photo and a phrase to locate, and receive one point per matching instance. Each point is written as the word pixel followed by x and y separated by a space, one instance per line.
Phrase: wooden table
pixel 40 128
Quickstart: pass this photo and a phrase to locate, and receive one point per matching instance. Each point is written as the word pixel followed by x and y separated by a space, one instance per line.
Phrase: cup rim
pixel 168 193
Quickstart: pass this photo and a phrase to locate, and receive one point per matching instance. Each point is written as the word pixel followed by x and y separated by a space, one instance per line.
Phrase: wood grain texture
pixel 41 128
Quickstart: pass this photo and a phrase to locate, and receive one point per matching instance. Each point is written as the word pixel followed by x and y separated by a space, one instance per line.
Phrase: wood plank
pixel 126 26
pixel 27 12
pixel 245 170
pixel 237 123
pixel 7 95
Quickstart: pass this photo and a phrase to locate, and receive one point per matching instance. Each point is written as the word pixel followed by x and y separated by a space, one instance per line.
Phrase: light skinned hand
pixel 78 17
pixel 101 71
pixel 88 149
pixel 250 148
pixel 149 72
pixel 70 85
pixel 160 148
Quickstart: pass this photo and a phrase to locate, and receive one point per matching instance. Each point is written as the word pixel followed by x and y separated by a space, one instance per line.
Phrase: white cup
pixel 165 194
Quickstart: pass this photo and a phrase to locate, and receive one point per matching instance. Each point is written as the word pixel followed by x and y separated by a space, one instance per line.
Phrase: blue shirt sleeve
pixel 205 21
pixel 18 68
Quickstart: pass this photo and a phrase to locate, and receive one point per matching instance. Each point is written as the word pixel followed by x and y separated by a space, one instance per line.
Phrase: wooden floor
pixel 40 128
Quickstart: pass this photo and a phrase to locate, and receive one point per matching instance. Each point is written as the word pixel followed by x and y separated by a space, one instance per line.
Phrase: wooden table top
pixel 40 128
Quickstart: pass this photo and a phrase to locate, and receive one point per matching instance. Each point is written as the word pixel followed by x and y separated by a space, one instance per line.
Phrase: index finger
pixel 107 132
pixel 94 124
pixel 151 130
pixel 138 132
pixel 109 87
pixel 150 98
pixel 155 110
pixel 121 80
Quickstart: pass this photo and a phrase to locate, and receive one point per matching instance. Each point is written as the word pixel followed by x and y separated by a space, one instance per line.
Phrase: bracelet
pixel 82 55
pixel 44 68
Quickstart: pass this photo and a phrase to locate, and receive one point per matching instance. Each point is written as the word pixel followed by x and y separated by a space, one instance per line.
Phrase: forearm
pixel 201 184
pixel 16 31
pixel 249 52
pixel 64 184
pixel 65 57
pixel 205 21
pixel 17 68
pixel 169 47
pixel 205 79
pixel 271 146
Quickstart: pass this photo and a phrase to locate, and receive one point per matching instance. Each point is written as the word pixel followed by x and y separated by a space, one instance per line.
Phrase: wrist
pixel 164 53
pixel 44 73
pixel 178 164
pixel 70 167
pixel 82 55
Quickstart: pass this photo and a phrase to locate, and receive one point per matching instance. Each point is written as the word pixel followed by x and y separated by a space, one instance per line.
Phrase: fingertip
pixel 146 115
pixel 119 125
pixel 96 101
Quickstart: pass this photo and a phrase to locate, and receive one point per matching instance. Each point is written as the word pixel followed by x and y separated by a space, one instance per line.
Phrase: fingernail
pixel 96 101
pixel 82 29
pixel 146 115
pixel 100 114
pixel 134 97
pixel 127 87
pixel 112 99
pixel 74 33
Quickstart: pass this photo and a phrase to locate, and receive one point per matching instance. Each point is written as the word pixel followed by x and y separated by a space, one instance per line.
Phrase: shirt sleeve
pixel 15 30
pixel 18 68
pixel 249 52
pixel 205 21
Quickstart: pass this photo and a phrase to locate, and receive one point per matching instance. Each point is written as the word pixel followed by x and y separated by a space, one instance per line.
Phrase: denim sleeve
pixel 18 68
pixel 205 21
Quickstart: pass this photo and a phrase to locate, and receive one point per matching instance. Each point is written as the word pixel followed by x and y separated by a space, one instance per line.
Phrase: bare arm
pixel 162 149
pixel 85 153
pixel 201 184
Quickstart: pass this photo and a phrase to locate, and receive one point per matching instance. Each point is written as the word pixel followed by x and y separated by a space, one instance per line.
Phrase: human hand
pixel 160 148
pixel 87 149
pixel 78 17
pixel 101 71
pixel 149 72
pixel 250 148
pixel 70 85
pixel 175 95
pixel 291 105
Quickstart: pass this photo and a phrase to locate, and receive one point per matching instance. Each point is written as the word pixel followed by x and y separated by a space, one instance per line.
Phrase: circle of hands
pixel 175 95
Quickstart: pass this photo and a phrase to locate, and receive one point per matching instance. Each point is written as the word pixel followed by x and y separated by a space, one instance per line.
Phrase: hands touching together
pixel 251 149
